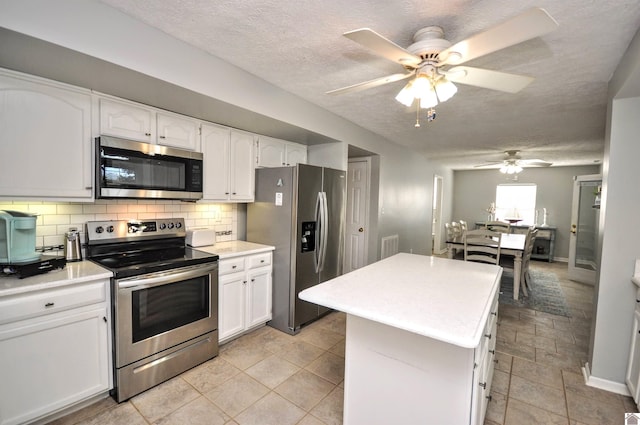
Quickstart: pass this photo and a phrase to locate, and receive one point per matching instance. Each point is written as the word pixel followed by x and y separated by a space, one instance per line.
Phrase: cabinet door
pixel 296 154
pixel 231 311
pixel 45 140
pixel 259 296
pixel 271 152
pixel 178 131
pixel 126 121
pixel 242 169
pixel 53 362
pixel 633 368
pixel 215 149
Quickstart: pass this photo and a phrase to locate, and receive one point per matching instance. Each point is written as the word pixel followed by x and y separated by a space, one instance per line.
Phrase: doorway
pixel 357 223
pixel 585 212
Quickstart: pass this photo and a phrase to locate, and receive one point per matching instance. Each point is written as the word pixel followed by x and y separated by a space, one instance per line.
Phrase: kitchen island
pixel 420 339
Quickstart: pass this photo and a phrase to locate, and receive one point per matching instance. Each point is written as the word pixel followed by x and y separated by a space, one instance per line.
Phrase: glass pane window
pixel 516 201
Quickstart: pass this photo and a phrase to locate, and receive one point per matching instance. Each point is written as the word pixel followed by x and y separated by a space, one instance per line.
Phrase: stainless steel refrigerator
pixel 301 211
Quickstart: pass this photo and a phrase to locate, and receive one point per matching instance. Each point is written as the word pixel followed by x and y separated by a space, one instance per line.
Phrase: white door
pixel 258 297
pixel 436 226
pixel 178 131
pixel 585 211
pixel 357 213
pixel 215 148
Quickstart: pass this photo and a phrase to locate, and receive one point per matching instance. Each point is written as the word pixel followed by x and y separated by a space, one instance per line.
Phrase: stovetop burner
pixel 130 248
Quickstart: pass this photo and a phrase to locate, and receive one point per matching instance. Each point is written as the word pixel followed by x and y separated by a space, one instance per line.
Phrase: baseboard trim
pixel 603 384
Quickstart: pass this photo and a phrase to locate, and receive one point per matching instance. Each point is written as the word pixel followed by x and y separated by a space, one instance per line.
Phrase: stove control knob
pixel 110 229
pixel 178 225
pixel 99 229
pixel 163 226
pixel 170 225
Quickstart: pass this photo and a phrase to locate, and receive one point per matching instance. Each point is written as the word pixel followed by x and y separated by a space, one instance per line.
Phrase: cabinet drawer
pixel 51 301
pixel 259 260
pixel 543 234
pixel 232 265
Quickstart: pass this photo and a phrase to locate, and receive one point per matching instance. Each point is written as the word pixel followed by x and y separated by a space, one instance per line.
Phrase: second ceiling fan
pixel 435 63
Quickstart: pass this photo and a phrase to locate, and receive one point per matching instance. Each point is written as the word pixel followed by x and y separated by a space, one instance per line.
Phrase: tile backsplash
pixel 55 218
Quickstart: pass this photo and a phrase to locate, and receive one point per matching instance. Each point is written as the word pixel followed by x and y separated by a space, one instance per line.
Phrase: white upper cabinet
pixel 178 131
pixel 126 121
pixel 228 164
pixel 45 139
pixel 279 153
pixel 146 124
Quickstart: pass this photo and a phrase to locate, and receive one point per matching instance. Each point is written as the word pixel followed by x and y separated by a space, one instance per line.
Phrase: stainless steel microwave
pixel 129 169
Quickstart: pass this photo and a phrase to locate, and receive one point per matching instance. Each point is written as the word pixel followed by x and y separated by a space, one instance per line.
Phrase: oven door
pixel 154 312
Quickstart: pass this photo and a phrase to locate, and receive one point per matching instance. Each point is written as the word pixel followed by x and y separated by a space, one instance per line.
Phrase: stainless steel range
pixel 165 300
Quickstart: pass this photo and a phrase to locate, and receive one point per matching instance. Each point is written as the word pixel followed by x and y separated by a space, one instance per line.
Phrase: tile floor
pixel 268 377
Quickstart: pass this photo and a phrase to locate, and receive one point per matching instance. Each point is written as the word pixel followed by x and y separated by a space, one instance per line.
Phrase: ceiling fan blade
pixel 495 80
pixel 530 24
pixel 489 164
pixel 371 83
pixel 383 46
pixel 534 163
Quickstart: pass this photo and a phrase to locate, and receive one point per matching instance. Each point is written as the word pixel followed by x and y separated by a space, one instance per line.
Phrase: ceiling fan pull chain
pixel 417 115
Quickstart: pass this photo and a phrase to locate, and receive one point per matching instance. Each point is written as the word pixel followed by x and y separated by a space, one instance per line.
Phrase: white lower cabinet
pixel 53 354
pixel 244 294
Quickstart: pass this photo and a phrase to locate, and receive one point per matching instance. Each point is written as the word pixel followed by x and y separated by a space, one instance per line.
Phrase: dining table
pixel 511 244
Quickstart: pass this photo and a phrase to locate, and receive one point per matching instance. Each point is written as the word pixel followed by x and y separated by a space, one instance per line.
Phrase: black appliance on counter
pixel 165 300
pixel 40 265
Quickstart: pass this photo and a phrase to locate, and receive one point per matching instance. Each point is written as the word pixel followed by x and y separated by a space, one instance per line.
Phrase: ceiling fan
pixel 513 163
pixel 434 61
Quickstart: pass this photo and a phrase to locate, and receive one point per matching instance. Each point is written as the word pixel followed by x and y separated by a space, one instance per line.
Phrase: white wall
pixel 87 26
pixel 619 231
pixel 475 189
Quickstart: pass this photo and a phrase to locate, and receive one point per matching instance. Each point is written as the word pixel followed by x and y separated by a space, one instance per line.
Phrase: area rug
pixel 545 294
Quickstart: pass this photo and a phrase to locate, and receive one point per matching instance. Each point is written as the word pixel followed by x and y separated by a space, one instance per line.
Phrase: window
pixel 516 201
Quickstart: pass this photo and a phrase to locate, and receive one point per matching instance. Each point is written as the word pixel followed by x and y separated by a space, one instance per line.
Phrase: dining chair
pixel 526 257
pixel 463 226
pixel 508 262
pixel 482 245
pixel 453 233
pixel 498 226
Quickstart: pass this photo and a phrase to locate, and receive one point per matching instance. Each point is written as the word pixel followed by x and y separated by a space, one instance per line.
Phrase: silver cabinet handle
pixel 47 305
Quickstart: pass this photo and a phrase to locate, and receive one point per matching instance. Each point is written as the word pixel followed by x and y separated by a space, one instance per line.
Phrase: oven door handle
pixel 165 277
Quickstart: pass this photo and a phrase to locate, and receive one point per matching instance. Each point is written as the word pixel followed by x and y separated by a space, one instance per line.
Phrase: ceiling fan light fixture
pixel 406 95
pixel 428 99
pixel 511 169
pixel 445 89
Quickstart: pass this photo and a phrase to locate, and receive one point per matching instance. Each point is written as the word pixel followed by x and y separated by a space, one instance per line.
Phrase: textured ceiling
pixel 298 46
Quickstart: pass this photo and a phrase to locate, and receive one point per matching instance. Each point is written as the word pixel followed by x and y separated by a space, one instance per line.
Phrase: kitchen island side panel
pixel 393 376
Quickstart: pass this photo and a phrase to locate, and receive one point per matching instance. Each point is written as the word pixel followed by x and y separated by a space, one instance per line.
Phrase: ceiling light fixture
pixel 429 88
pixel 511 168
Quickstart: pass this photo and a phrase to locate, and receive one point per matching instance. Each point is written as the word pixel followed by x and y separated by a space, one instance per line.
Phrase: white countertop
pixel 230 249
pixel 73 273
pixel 448 300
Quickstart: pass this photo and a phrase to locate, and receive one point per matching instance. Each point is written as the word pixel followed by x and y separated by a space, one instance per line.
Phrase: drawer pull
pixel 233 267
pixel 105 319
pixel 262 261
pixel 483 385
pixel 488 335
pixel 495 313
pixel 253 280
pixel 492 351
pixel 488 397
pixel 47 305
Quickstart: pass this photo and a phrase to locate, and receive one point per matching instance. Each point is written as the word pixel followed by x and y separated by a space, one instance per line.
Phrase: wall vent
pixel 389 246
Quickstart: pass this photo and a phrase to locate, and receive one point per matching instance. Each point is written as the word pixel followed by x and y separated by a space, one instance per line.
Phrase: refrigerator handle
pixel 324 229
pixel 317 248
